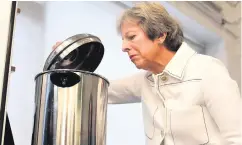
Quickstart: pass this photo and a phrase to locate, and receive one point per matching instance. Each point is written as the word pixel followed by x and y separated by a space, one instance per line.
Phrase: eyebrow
pixel 129 33
pixel 125 35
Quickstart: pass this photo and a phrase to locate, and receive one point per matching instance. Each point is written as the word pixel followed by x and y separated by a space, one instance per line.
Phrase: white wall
pixel 27 57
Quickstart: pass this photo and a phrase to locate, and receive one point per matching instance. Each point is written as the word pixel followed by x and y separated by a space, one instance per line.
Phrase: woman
pixel 187 98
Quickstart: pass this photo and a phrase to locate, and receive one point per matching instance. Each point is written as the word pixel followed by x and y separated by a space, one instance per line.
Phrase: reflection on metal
pixel 70 112
pixel 81 52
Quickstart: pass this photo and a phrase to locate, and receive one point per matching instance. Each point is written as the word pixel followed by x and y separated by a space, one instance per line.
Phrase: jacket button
pixel 164 78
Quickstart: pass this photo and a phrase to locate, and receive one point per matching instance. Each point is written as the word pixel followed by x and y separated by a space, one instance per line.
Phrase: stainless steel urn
pixel 71 100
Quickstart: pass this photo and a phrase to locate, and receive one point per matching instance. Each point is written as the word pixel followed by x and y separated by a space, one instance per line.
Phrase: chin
pixel 139 65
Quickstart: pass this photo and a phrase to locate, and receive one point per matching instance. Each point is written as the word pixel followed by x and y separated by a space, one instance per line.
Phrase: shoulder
pixel 216 82
pixel 207 61
pixel 202 66
pixel 208 66
pixel 216 78
pixel 213 68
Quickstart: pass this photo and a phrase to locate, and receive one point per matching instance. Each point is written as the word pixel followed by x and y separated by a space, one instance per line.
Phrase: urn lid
pixel 79 52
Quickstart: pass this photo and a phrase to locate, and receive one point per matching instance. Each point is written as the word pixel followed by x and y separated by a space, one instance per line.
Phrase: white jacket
pixel 193 102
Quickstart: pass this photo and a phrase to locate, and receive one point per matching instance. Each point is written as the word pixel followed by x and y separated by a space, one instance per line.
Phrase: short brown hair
pixel 154 19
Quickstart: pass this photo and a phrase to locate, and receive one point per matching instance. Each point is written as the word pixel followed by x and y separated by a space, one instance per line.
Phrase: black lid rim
pixel 71 44
pixel 71 70
pixel 64 44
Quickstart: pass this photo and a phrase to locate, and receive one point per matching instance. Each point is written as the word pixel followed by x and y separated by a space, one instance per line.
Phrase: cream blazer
pixel 192 102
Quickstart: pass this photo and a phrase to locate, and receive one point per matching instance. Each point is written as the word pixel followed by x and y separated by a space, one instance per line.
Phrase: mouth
pixel 132 56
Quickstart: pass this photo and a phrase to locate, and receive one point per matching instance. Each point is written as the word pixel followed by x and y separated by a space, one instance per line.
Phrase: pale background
pixel 41 24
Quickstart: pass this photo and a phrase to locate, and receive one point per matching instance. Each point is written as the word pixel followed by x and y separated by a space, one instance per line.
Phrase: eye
pixel 131 37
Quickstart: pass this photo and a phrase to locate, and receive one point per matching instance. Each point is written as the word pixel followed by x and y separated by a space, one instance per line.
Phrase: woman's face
pixel 141 50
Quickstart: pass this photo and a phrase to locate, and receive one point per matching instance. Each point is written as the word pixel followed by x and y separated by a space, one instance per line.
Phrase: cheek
pixel 145 48
pixel 136 47
pixel 148 51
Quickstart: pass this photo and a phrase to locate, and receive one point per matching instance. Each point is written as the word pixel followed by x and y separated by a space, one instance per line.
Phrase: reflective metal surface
pixel 81 52
pixel 71 108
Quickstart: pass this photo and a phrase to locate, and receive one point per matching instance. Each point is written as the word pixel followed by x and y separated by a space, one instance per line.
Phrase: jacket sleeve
pixel 126 90
pixel 222 98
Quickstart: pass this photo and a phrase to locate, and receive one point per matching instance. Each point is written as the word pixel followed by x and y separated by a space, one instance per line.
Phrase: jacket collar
pixel 177 64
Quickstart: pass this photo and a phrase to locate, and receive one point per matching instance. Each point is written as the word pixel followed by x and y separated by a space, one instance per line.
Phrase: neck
pixel 161 60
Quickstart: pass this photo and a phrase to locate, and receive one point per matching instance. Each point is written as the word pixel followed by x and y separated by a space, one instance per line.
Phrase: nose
pixel 125 46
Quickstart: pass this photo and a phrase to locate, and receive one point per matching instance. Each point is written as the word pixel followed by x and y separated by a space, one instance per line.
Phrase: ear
pixel 162 38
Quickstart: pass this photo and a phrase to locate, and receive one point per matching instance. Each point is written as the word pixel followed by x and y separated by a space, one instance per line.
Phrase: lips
pixel 132 56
